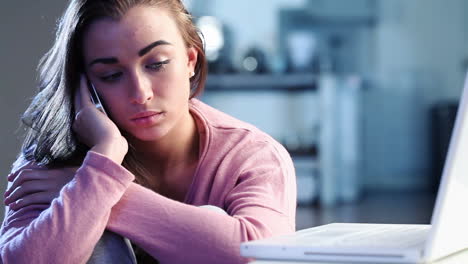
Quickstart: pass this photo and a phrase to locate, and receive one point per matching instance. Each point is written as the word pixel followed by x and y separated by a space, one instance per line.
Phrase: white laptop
pixel 389 243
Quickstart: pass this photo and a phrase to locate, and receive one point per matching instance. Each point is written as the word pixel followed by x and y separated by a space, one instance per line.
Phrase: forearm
pixel 67 230
pixel 165 228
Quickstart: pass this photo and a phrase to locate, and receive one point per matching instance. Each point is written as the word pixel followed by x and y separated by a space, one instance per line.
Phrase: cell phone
pixel 95 98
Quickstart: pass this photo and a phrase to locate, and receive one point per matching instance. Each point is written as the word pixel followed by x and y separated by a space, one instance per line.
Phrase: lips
pixel 145 114
pixel 147 118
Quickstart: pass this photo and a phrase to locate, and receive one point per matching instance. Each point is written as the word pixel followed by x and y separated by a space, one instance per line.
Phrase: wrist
pixel 112 149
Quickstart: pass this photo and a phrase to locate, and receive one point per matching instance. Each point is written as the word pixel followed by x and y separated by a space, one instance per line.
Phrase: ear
pixel 192 55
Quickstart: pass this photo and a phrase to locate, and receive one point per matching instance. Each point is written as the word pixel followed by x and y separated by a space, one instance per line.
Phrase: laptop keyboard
pixel 384 236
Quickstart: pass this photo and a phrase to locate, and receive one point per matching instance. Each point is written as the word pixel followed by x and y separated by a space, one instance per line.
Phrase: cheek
pixel 109 98
pixel 113 104
pixel 175 87
pixel 183 79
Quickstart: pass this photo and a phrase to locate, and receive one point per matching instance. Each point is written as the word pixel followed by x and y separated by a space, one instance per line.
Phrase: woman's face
pixel 141 67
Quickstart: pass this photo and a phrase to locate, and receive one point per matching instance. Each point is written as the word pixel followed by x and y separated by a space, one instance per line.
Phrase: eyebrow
pixel 111 60
pixel 148 48
pixel 142 52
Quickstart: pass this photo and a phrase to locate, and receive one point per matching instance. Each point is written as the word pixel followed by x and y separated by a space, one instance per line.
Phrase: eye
pixel 157 65
pixel 111 77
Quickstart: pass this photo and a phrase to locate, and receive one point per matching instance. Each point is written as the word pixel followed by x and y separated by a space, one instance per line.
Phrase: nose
pixel 141 89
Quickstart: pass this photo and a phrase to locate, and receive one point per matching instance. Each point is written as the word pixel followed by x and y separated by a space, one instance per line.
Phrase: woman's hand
pixel 33 184
pixel 95 129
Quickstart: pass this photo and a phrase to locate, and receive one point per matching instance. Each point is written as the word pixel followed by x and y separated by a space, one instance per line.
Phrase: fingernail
pixel 15 204
pixel 11 177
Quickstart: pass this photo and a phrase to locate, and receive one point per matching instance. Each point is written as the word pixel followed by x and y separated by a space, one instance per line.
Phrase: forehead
pixel 140 26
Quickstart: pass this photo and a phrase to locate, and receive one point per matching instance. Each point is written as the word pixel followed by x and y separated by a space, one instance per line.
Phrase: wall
pixel 420 47
pixel 25 34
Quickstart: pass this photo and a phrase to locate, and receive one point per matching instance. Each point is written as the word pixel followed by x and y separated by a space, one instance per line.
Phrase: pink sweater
pixel 241 169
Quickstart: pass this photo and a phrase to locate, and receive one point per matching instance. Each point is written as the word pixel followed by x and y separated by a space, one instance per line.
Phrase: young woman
pixel 144 170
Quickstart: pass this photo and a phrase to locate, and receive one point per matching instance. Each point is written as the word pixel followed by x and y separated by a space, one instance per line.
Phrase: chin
pixel 150 134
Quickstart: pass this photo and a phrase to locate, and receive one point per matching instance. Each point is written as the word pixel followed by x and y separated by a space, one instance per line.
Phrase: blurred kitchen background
pixel 363 93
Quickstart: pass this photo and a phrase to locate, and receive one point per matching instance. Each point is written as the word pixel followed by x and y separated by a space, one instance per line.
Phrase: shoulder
pixel 220 126
pixel 213 121
pixel 215 118
pixel 230 138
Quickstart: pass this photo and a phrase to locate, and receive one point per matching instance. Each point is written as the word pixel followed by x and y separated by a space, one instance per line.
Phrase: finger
pixel 26 188
pixel 77 96
pixel 16 179
pixel 27 165
pixel 26 175
pixel 34 198
pixel 84 93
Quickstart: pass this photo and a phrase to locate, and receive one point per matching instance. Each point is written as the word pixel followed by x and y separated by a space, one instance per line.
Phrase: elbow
pixel 252 229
